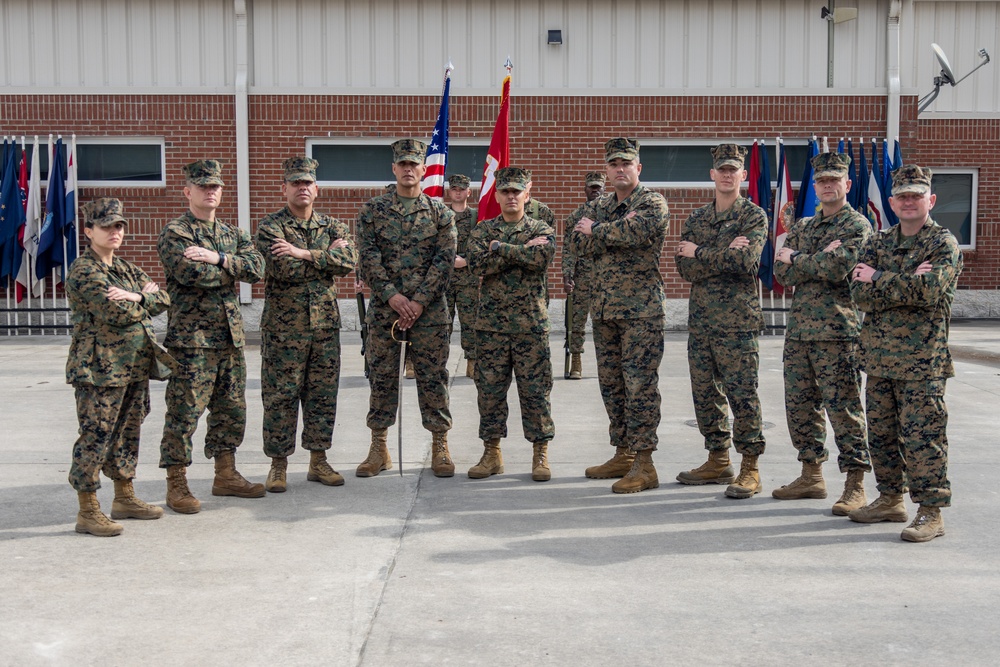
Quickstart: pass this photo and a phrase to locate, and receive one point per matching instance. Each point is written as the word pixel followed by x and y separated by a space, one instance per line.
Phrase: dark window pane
pixel 373 163
pixel 467 160
pixel 953 209
pixel 119 162
pixel 691 164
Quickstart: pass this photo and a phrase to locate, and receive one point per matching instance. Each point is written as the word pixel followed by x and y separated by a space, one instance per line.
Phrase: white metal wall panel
pixel 60 45
pixel 961 29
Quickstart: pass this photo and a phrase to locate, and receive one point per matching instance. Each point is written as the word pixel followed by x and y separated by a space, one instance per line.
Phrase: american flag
pixel 437 149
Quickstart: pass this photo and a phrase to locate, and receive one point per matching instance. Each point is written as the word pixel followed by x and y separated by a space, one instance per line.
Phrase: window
pixel 359 162
pixel 955 208
pixel 686 164
pixel 109 161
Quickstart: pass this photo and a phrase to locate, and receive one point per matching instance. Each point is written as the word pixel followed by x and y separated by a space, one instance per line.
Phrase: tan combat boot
pixel 927 525
pixel 640 477
pixel 378 455
pixel 470 368
pixel 441 463
pixel 809 484
pixel 127 506
pixel 854 493
pixel 540 471
pixel 618 465
pixel 491 463
pixel 575 367
pixel 321 471
pixel 716 470
pixel 747 484
pixel 179 497
pixel 228 480
pixel 90 518
pixel 409 372
pixel 887 507
pixel 277 476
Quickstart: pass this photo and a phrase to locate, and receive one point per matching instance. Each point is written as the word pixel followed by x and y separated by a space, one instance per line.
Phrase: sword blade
pixel 399 406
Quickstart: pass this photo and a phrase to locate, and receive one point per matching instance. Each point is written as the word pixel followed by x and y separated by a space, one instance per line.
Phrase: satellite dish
pixel 946 72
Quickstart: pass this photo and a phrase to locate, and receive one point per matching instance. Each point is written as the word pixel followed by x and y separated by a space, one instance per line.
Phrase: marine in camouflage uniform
pixel 719 254
pixel 578 275
pixel 820 357
pixel 203 259
pixel 111 358
pixel 512 252
pixel 623 231
pixel 905 281
pixel 463 290
pixel 304 252
pixel 407 245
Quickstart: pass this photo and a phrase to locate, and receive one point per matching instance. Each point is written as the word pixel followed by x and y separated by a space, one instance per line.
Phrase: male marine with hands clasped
pixel 407 250
pixel 463 290
pixel 512 252
pixel 304 252
pixel 623 231
pixel 820 358
pixel 204 258
pixel 905 281
pixel 719 254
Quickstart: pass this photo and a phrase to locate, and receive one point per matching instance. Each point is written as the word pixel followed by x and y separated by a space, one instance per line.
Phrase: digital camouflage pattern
pixel 103 212
pixel 821 369
pixel 728 155
pixel 580 270
pixel 300 327
pixel 205 334
pixel 113 342
pixel 213 379
pixel 512 294
pixel 830 165
pixel 526 358
pixel 204 172
pixel 724 368
pixel 110 419
pixel 723 279
pixel 724 319
pixel 428 348
pixel 629 353
pixel 112 355
pixel 904 342
pixel 463 290
pixel 513 325
pixel 621 148
pixel 409 150
pixel 627 308
pixel 205 309
pixel 300 168
pixel 412 254
pixel 905 335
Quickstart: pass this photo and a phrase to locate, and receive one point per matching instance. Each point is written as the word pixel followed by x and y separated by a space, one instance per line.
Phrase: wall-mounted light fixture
pixel 555 37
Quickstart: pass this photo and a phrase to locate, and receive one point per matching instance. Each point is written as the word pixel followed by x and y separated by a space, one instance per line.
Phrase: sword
pixel 569 332
pixel 403 339
pixel 362 317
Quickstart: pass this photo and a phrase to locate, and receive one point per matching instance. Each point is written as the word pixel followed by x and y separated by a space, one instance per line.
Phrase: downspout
pixel 242 131
pixel 892 110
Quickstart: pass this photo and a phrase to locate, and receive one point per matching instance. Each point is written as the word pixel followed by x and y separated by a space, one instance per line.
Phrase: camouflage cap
pixel 911 178
pixel 204 172
pixel 103 212
pixel 621 148
pixel 459 181
pixel 300 168
pixel 595 178
pixel 728 155
pixel 512 178
pixel 830 165
pixel 409 150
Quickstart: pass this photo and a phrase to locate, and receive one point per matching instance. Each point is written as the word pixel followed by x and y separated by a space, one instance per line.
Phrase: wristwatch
pixel 222 259
pixel 494 244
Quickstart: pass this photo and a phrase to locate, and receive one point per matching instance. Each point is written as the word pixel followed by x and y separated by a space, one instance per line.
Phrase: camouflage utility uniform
pixel 580 270
pixel 463 290
pixel 205 333
pixel 820 355
pixel 111 358
pixel 410 253
pixel 627 309
pixel 300 329
pixel 724 320
pixel 904 351
pixel 512 328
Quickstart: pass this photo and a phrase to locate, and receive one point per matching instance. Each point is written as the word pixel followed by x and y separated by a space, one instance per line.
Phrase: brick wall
pixel 558 138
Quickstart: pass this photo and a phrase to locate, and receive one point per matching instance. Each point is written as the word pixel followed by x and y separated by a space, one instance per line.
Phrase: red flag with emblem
pixel 497 157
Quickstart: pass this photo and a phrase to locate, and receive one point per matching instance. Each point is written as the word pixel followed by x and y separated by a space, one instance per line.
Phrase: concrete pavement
pixel 504 571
